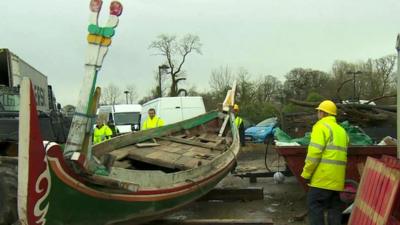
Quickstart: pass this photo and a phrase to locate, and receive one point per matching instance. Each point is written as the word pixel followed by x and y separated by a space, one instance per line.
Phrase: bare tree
pixel 192 91
pixel 111 95
pixel 375 80
pixel 132 93
pixel 221 79
pixel 245 87
pixel 164 85
pixel 384 68
pixel 268 88
pixel 342 81
pixel 300 82
pixel 176 51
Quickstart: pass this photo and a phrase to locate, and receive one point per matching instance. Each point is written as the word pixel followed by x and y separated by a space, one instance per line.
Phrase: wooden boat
pixel 129 179
pixel 186 160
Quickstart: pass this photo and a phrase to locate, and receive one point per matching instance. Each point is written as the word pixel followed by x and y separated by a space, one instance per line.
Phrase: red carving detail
pixel 116 8
pixel 95 5
pixel 37 165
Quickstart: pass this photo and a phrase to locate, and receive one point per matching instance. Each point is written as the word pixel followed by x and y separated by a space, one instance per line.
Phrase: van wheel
pixel 8 191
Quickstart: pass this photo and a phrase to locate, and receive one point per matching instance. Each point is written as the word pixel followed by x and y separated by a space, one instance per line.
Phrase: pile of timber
pixel 362 115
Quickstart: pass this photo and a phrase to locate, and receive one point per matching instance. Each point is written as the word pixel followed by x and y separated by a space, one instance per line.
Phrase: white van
pixel 126 117
pixel 175 109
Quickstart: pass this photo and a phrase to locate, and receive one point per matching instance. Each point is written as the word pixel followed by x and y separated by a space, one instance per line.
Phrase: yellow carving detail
pixel 99 40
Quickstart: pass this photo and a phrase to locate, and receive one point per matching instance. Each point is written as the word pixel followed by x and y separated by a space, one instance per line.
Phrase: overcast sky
pixel 262 36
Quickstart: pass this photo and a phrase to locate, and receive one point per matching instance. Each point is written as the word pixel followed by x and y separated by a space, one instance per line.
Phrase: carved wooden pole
pixel 99 39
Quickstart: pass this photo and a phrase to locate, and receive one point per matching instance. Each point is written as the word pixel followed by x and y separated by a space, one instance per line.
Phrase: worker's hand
pixel 307 181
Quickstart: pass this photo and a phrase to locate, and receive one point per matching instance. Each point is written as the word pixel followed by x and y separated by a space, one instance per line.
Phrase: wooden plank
pixel 120 153
pixel 146 145
pixel 200 150
pixel 174 149
pixel 235 194
pixel 252 221
pixel 194 143
pixel 123 164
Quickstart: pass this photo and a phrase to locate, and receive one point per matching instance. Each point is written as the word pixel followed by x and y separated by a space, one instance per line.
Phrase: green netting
pixel 356 135
pixel 281 136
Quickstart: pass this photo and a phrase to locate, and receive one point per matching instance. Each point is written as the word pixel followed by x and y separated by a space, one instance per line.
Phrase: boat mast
pixel 99 39
pixel 398 94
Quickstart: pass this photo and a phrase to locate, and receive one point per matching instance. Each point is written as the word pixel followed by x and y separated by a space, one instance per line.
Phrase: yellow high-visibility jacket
pixel 238 121
pixel 326 160
pixel 152 123
pixel 101 134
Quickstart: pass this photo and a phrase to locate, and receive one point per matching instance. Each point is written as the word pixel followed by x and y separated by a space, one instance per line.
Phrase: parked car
pixel 261 132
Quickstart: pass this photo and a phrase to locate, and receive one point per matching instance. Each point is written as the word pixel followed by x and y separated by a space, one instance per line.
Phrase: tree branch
pixel 340 88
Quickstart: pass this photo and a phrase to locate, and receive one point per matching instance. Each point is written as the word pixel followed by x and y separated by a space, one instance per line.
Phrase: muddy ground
pixel 283 203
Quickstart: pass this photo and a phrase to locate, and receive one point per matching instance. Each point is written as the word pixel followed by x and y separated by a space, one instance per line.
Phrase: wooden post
pixel 398 94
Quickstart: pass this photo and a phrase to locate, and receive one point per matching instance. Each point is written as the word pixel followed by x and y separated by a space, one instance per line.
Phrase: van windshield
pixel 125 118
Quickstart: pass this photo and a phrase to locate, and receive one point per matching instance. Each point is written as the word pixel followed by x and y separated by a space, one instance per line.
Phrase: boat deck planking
pixel 174 152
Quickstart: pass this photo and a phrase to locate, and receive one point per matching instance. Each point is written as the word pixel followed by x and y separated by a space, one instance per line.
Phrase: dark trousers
pixel 319 200
pixel 241 134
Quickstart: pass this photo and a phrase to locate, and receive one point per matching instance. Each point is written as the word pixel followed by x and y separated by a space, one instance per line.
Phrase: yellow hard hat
pixel 328 107
pixel 236 107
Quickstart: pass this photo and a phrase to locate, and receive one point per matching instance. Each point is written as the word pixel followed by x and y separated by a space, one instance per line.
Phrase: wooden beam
pixel 235 194
pixel 252 221
pixel 146 145
pixel 221 131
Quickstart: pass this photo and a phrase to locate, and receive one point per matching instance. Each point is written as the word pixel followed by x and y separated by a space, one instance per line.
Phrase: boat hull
pixel 76 203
